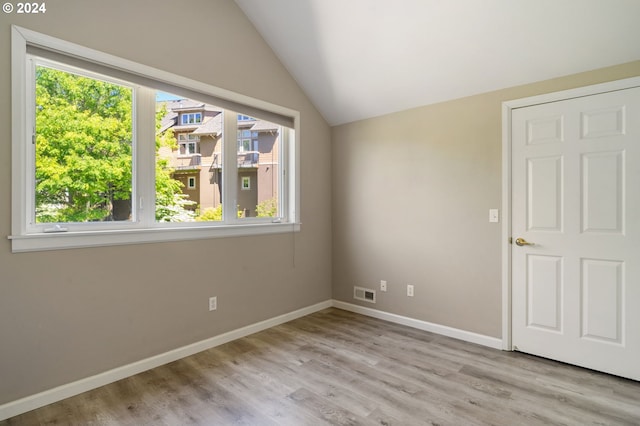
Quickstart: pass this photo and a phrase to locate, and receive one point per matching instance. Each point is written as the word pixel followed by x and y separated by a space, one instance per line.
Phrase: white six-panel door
pixel 576 200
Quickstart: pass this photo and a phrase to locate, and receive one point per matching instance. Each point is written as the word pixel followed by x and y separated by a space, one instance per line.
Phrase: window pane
pixel 196 158
pixel 259 172
pixel 83 155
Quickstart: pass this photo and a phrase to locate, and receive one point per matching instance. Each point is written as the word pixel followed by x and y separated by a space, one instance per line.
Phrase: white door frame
pixel 507 107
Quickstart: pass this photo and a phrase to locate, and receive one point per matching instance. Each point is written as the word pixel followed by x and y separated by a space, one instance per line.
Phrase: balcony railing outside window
pixel 245 160
pixel 192 162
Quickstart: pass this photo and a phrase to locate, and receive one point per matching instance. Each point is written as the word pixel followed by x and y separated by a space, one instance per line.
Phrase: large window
pixel 96 160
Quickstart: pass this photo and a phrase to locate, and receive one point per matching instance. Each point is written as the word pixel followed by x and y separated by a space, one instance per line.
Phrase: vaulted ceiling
pixel 358 59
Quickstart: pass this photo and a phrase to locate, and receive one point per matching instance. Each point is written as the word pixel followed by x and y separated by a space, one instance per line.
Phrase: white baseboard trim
pixel 456 333
pixel 59 393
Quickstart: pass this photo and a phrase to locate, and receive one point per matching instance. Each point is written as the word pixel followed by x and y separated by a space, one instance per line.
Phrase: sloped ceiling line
pixel 357 59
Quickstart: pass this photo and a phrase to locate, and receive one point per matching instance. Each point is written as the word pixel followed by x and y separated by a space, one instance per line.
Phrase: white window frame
pixel 188 147
pixel 188 140
pixel 188 137
pixel 187 115
pixel 246 179
pixel 142 228
pixel 244 139
pixel 189 184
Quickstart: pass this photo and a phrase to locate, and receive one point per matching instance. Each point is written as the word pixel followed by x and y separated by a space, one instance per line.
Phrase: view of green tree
pixel 84 153
pixel 83 147
pixel 214 214
pixel 211 215
pixel 267 208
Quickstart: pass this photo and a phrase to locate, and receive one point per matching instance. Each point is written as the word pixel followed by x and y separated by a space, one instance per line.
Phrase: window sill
pixel 82 239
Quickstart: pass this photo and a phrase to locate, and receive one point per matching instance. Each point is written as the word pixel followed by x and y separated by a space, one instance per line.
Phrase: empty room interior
pixel 356 212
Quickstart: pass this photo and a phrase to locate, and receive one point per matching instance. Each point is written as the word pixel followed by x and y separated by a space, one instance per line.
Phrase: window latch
pixel 56 228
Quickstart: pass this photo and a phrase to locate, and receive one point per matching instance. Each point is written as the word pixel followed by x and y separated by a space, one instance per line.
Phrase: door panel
pixel 545 130
pixel 603 122
pixel 544 292
pixel 602 177
pixel 602 295
pixel 544 194
pixel 576 197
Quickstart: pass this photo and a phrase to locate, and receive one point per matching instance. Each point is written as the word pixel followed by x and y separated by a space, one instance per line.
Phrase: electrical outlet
pixel 383 285
pixel 213 303
pixel 409 290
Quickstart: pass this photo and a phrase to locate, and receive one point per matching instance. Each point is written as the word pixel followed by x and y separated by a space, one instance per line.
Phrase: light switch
pixel 494 215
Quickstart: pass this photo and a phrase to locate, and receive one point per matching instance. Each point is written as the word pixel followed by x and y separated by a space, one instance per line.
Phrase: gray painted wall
pixel 66 315
pixel 411 199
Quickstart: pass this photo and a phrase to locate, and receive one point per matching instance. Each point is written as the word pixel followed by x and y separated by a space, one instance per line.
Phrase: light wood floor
pixel 336 367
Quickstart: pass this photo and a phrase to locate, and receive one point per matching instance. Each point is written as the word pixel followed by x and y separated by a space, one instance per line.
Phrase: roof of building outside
pixel 210 125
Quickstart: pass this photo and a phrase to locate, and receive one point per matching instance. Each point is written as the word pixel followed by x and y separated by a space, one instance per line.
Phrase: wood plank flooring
pixel 339 368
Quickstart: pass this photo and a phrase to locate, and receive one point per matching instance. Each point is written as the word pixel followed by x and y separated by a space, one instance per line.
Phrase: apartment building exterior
pixel 197 158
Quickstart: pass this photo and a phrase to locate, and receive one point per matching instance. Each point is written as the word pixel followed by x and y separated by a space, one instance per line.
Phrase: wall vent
pixel 364 294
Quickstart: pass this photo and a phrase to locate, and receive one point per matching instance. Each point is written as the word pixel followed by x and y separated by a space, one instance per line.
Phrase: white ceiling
pixel 357 59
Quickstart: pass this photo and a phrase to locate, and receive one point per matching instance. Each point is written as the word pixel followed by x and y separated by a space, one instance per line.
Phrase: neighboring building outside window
pixel 259 195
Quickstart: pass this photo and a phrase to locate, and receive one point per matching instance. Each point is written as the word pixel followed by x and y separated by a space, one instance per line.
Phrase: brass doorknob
pixel 522 242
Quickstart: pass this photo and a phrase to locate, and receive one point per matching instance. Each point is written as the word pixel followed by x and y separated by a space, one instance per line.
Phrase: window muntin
pixel 27 235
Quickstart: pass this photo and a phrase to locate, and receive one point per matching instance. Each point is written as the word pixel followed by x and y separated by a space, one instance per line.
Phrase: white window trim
pixel 189 180
pixel 141 230
pixel 189 114
pixel 186 148
pixel 245 179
